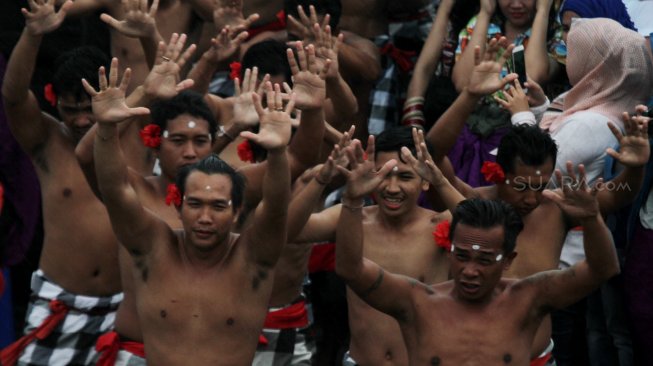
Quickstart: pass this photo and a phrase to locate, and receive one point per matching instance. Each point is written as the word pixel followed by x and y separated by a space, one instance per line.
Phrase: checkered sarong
pixel 284 347
pixel 72 340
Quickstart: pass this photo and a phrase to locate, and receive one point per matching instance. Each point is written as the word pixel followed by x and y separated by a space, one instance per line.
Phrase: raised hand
pixel 274 130
pixel 163 80
pixel 139 21
pixel 308 80
pixel 109 102
pixel 327 49
pixel 42 18
pixel 362 179
pixel 224 46
pixel 575 198
pixel 337 158
pixel 229 13
pixel 536 96
pixel 303 28
pixel 423 164
pixel 486 76
pixel 514 99
pixel 634 148
pixel 244 114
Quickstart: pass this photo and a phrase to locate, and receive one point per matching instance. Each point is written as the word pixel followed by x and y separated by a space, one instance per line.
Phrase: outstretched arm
pixel 22 108
pixel 267 234
pixel 134 226
pixel 537 57
pixel 557 289
pixel 367 279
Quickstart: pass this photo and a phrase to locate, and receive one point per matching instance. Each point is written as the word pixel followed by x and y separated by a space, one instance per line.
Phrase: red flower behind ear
pixel 151 135
pixel 441 235
pixel 235 70
pixel 245 152
pixel 493 172
pixel 49 95
pixel 173 196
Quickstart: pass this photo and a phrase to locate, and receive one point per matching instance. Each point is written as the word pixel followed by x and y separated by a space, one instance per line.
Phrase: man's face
pixel 400 190
pixel 76 114
pixel 188 141
pixel 525 187
pixel 477 261
pixel 207 211
pixel 519 13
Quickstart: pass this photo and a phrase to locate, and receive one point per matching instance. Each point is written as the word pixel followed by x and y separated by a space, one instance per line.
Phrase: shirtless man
pixel 527 156
pixel 217 320
pixel 478 317
pixel 78 279
pixel 375 337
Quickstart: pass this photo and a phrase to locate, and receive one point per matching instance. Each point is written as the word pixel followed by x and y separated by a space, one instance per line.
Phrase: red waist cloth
pixel 541 361
pixel 109 344
pixel 293 316
pixel 323 258
pixel 402 58
pixel 279 24
pixel 10 355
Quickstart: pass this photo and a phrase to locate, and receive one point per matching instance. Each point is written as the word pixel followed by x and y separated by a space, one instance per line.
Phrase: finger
pixel 294 23
pixel 261 85
pixel 154 8
pixel 370 147
pixel 502 102
pixel 139 111
pixel 508 79
pixel 597 186
pixel 126 77
pixel 287 88
pixel 291 105
pixel 477 55
pixel 278 103
pixel 386 168
pixel 246 78
pixel 302 16
pixel 185 84
pixel 310 59
pixel 142 6
pixel 294 69
pixel 113 72
pixel 253 79
pixel 102 78
pixel 423 147
pixel 325 69
pixel 407 156
pixel 251 19
pixel 301 55
pixel 507 53
pixel 615 131
pixel 313 13
pixel 326 21
pixel 179 46
pixel 518 86
pixel 256 99
pixel 111 21
pixel 89 89
pixel 236 87
pixel 181 61
pixel 160 52
pixel 582 177
pixel 240 38
pixel 269 96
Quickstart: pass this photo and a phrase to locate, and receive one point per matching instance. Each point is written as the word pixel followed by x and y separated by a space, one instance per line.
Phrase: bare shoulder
pixel 487 192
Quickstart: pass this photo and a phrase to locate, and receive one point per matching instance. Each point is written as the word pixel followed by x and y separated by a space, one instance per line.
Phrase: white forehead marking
pixel 452 247
pixel 165 134
pixel 229 203
pixel 537 172
pixel 476 247
pixel 208 188
pixel 395 169
pixel 191 124
pixel 507 181
pixel 499 257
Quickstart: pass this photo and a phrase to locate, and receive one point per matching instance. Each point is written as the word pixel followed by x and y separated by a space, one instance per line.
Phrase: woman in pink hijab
pixel 611 71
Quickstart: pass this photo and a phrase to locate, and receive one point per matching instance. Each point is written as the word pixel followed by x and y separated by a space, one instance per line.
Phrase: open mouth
pixel 203 234
pixel 392 203
pixel 470 288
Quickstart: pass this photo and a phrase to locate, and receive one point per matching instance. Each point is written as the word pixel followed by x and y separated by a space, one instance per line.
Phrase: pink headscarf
pixel 610 69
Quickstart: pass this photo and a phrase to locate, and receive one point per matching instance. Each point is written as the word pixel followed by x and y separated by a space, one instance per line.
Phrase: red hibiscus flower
pixel 49 95
pixel 151 135
pixel 493 172
pixel 173 196
pixel 235 70
pixel 245 152
pixel 441 235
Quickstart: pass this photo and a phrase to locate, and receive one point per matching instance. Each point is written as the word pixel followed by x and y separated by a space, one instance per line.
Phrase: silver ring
pixel 166 59
pixel 279 109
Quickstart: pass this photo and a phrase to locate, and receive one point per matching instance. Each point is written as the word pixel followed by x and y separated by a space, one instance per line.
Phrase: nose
pixel 470 271
pixel 392 184
pixel 205 217
pixel 189 152
pixel 530 198
pixel 82 120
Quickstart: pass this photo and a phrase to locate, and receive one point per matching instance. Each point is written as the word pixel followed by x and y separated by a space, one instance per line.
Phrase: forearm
pixel 445 132
pixel 302 206
pixel 600 252
pixel 276 185
pixel 349 239
pixel 308 136
pixel 202 73
pixel 463 68
pixel 342 98
pixel 20 68
pixel 621 190
pixel 331 135
pixel 110 167
pixel 353 61
pixel 430 54
pixel 448 194
pixel 537 58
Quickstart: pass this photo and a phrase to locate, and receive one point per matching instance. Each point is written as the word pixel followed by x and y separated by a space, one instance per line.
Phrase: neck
pixel 206 258
pixel 398 221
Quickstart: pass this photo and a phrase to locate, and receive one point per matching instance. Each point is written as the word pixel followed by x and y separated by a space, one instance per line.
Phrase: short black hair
pixel 77 64
pixel 485 214
pixel 187 102
pixel 394 138
pixel 529 143
pixel 322 7
pixel 212 164
pixel 270 58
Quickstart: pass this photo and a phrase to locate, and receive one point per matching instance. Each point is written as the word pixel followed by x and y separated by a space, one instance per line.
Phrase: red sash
pixel 541 361
pixel 277 25
pixel 293 316
pixel 109 344
pixel 323 258
pixel 10 355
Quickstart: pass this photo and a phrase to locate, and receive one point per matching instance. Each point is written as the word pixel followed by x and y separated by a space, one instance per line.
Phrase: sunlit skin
pixel 526 184
pixel 185 144
pixel 474 265
pixel 519 13
pixel 400 190
pixel 207 212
